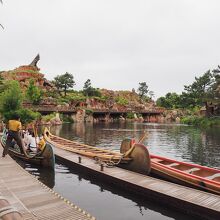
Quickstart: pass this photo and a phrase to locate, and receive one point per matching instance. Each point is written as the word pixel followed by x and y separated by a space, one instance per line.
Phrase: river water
pixel 184 143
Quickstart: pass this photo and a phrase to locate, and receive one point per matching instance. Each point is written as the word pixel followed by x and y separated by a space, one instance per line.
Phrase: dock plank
pixel 33 199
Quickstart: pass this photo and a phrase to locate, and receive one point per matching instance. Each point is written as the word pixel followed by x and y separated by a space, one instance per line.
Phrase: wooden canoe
pixel 137 160
pixel 44 158
pixel 183 173
pixel 187 174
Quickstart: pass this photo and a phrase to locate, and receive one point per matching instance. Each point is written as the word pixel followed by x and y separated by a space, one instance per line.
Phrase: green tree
pixel 200 90
pixel 143 89
pixel 216 84
pixel 88 90
pixel 2 85
pixel 170 101
pixel 203 88
pixel 11 99
pixel 64 82
pixel 87 87
pixel 33 93
pixel 27 115
pixel 11 103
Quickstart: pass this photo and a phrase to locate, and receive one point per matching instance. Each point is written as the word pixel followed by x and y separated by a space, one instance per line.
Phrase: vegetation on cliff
pixel 201 90
pixel 26 84
pixel 32 87
pixel 204 90
pixel 33 93
pixel 201 121
pixel 11 103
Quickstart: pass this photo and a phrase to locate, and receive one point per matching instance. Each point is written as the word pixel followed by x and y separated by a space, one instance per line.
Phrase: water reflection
pixel 103 200
pixel 106 201
pixel 184 143
pixel 46 176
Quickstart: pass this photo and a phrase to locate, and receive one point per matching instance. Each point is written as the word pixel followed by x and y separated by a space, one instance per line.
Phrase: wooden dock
pixel 32 198
pixel 191 201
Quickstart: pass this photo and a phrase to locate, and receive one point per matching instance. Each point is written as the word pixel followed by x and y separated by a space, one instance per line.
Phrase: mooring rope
pixel 110 163
pixel 107 162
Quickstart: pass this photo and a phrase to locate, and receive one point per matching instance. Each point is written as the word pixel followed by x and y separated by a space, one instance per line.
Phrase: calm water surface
pixel 180 142
pixel 184 143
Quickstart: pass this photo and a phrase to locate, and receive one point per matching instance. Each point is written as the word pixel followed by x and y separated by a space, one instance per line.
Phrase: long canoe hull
pixel 187 174
pixel 46 158
pixel 138 159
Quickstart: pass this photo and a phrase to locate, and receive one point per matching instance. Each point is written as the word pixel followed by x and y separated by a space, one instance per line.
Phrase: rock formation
pixel 24 73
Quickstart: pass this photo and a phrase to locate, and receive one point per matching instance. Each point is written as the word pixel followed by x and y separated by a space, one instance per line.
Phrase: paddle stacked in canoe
pixel 137 159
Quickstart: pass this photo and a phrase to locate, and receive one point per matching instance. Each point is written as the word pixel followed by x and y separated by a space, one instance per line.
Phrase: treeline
pixel 65 92
pixel 66 82
pixel 204 88
pixel 12 95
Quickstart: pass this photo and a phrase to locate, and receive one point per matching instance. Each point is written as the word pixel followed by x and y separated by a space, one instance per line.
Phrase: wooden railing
pixel 44 108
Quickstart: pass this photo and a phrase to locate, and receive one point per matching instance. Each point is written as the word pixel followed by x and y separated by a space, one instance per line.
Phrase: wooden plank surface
pixel 195 202
pixel 33 199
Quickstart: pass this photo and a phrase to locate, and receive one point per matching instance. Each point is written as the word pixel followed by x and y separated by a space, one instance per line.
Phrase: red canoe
pixel 185 173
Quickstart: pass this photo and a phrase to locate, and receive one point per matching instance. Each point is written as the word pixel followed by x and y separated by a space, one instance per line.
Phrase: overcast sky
pixel 115 43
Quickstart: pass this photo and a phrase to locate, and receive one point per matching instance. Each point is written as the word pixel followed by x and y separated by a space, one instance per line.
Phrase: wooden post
pixel 102 167
pixel 80 159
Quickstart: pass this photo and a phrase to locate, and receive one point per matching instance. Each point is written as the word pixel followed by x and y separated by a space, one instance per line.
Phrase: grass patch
pixel 201 121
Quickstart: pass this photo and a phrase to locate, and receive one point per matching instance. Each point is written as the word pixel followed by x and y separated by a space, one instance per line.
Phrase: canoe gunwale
pixel 185 173
pixel 185 163
pixel 184 178
pixel 38 159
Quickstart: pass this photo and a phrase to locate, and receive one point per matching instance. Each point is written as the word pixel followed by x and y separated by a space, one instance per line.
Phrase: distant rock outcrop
pixel 35 61
pixel 24 73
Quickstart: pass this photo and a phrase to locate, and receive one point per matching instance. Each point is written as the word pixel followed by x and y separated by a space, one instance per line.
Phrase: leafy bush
pixel 102 98
pixel 33 93
pixel 201 121
pixel 66 118
pixel 72 97
pixel 52 94
pixel 130 115
pixel 62 100
pixel 121 101
pixel 28 115
pixel 78 97
pixel 47 118
pixel 89 111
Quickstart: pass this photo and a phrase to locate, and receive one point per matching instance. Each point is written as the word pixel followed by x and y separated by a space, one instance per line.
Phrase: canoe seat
pixel 192 170
pixel 173 164
pixel 213 176
pixel 156 160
